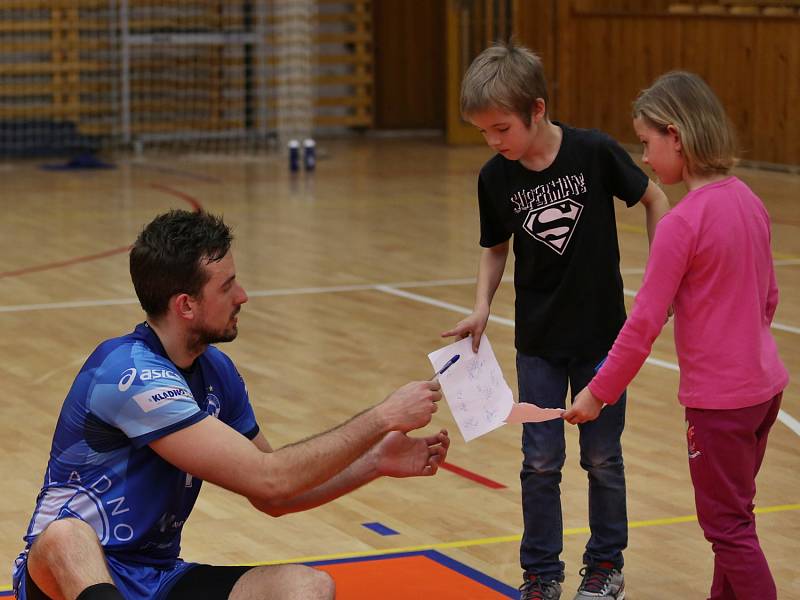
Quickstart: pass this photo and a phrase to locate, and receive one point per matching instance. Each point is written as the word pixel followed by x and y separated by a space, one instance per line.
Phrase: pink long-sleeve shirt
pixel 711 259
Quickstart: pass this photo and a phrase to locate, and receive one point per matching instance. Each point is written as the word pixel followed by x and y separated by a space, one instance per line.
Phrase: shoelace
pixel 532 589
pixel 595 579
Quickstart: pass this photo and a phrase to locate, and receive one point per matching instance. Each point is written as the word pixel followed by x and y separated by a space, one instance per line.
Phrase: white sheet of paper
pixel 477 392
pixel 474 387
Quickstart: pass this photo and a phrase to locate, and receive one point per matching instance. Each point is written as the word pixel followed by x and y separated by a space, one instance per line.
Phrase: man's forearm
pixel 306 465
pixel 357 474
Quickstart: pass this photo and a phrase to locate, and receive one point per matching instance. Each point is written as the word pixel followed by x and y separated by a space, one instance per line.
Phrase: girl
pixel 711 260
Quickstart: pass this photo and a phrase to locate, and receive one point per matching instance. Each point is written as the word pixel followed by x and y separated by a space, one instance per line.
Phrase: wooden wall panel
pixel 776 99
pixel 621 5
pixel 535 24
pixel 728 66
pixel 598 55
pixel 409 64
pixel 610 69
pixel 605 58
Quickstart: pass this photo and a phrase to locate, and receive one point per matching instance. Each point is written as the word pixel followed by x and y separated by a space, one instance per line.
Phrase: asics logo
pixel 126 380
pixel 150 374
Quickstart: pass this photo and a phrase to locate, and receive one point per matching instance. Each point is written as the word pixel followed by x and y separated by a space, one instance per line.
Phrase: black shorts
pixel 203 582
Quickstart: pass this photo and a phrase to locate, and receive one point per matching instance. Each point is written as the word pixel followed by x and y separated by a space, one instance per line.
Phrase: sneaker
pixel 601 581
pixel 535 588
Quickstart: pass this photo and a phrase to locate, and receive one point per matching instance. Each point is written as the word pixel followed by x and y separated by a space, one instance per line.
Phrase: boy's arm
pixel 656 206
pixel 490 273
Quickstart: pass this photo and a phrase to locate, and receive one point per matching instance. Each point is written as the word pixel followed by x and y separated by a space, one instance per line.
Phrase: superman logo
pixel 553 224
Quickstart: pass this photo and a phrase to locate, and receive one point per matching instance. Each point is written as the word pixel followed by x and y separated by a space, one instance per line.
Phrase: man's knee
pixel 65 558
pixel 315 584
pixel 324 585
pixel 286 581
pixel 61 537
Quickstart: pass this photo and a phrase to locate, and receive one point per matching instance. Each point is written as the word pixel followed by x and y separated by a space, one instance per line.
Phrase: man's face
pixel 220 301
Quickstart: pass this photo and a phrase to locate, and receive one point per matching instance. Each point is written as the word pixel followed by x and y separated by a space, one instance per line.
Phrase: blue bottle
pixel 309 154
pixel 294 156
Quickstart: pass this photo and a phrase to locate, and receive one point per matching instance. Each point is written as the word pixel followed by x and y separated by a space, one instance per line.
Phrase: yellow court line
pixel 631 228
pixel 504 539
pixel 486 541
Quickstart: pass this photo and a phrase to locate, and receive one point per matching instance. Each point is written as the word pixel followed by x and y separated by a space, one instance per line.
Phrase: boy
pixel 551 187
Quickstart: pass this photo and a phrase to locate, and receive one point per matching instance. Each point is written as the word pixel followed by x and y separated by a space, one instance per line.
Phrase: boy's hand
pixel 584 408
pixel 473 325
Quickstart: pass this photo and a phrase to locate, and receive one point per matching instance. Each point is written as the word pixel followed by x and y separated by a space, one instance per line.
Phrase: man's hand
pixel 398 455
pixel 473 325
pixel 584 408
pixel 410 407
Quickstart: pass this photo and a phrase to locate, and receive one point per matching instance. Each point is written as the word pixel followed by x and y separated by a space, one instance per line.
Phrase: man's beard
pixel 205 336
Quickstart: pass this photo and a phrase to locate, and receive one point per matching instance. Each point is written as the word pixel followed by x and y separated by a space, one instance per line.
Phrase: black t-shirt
pixel 569 300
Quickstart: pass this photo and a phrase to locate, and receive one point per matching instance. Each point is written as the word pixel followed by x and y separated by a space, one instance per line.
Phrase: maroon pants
pixel 726 448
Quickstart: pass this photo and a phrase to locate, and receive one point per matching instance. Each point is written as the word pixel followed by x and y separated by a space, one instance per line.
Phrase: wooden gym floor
pixel 352 272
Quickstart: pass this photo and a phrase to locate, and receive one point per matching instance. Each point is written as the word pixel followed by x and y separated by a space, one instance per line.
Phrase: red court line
pixel 472 476
pixel 196 206
pixel 64 263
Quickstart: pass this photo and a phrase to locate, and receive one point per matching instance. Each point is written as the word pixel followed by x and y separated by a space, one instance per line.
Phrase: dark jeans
pixel 544 383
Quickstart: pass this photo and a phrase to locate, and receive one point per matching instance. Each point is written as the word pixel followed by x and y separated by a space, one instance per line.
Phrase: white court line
pixel 789 421
pixel 389 288
pixel 57 305
pixel 434 302
pixel 775 324
pixel 68 367
pixel 783 416
pixel 323 290
pixel 12 308
pixel 787 328
pixel 254 294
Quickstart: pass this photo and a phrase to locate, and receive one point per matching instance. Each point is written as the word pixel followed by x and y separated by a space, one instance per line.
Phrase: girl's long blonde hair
pixel 686 102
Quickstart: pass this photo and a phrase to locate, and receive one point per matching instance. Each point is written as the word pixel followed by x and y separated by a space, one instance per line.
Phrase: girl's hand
pixel 584 408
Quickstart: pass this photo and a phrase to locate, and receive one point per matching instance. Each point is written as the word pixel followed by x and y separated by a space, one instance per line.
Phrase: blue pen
pixel 447 365
pixel 600 364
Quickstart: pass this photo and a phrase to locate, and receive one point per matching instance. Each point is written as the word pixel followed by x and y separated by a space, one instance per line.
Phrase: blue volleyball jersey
pixel 101 469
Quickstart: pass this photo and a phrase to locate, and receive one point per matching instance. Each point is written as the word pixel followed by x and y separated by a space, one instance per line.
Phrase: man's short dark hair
pixel 168 256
